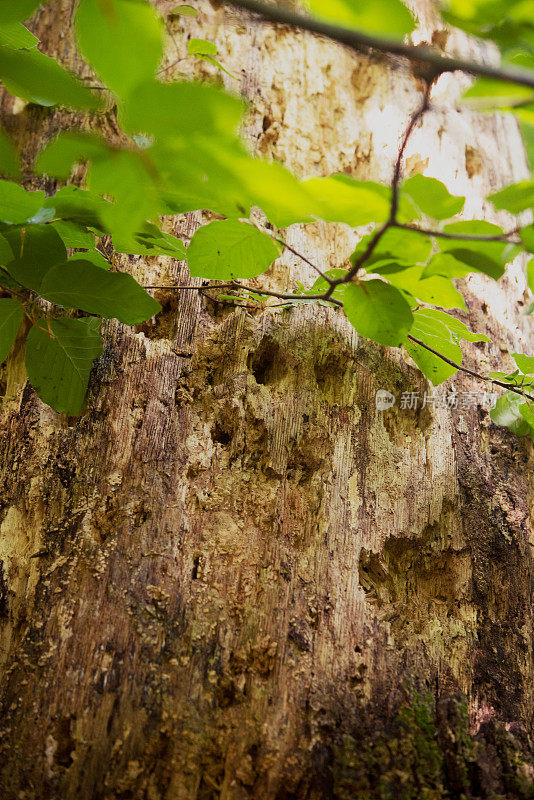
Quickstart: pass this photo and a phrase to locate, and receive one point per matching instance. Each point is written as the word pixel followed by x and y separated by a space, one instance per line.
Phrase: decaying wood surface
pixel 234 577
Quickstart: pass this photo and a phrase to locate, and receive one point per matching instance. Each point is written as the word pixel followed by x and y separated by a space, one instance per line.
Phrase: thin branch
pixel 397 173
pixel 473 374
pixel 302 258
pixel 466 237
pixel 291 249
pixel 364 42
pixel 290 296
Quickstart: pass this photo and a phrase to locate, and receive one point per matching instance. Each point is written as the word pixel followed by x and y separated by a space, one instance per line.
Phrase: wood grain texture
pixel 235 578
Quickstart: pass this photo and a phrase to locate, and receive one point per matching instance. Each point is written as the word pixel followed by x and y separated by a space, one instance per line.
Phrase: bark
pixel 234 577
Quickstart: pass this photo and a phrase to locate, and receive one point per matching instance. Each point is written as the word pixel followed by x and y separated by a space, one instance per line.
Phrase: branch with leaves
pixel 181 153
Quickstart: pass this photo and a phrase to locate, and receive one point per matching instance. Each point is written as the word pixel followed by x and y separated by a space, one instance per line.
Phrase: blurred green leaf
pixel 77 205
pixel 184 11
pixel 432 197
pixel 94 256
pixel 31 75
pixel 515 198
pixel 16 204
pixel 398 245
pixel 382 16
pixel 121 39
pixel 340 198
pixel 169 111
pixel 150 242
pixel 9 159
pixel 70 148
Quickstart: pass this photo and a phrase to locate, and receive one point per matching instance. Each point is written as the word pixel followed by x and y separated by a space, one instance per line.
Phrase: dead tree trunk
pixel 234 577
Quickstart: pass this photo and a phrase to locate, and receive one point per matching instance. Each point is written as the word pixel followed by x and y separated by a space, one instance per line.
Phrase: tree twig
pixel 466 237
pixel 397 174
pixel 471 372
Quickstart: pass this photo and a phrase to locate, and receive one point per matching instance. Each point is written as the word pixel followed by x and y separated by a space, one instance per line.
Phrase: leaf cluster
pixel 181 151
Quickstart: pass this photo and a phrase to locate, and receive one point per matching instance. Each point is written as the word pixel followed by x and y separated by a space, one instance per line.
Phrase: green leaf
pixel 432 197
pixel 184 11
pixel 527 130
pixel 490 93
pixel 6 253
pixel 127 177
pixel 528 415
pixel 530 276
pixel 17 10
pixel 382 16
pixel 40 79
pixel 343 199
pixel 74 235
pixel 435 291
pixel 70 148
pixel 78 205
pixel 94 256
pixel 11 313
pixel 181 109
pixel 78 283
pixel 16 36
pixel 16 204
pixel 527 237
pixel 479 256
pixel 515 198
pixel 507 412
pixel 283 198
pixel 201 47
pixel 378 311
pixel 228 249
pixel 398 245
pixel 35 249
pixel 455 326
pixel 525 363
pixel 438 291
pixel 9 159
pixel 432 331
pixel 447 266
pixel 59 367
pixel 121 39
pixel 151 242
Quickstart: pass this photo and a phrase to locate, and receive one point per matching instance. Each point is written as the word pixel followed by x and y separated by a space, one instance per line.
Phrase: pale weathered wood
pixel 233 577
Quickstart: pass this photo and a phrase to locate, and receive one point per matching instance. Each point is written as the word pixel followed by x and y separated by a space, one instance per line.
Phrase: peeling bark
pixel 234 577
